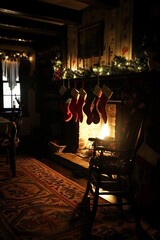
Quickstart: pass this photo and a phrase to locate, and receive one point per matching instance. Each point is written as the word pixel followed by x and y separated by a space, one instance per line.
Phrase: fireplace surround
pixel 129 92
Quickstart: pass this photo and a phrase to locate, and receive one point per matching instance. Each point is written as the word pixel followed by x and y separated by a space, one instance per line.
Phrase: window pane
pixel 16 90
pixel 9 96
pixel 15 103
pixel 6 89
pixel 4 78
pixel 7 101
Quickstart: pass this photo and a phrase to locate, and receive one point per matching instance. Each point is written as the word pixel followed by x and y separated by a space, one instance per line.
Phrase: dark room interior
pixel 79 100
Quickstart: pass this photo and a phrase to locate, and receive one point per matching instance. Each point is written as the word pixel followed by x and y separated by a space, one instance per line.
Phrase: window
pixel 10 81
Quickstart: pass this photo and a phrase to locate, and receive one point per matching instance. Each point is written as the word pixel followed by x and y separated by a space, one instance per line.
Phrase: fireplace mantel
pixel 111 79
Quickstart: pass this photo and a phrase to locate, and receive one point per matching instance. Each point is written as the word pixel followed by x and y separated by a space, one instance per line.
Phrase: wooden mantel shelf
pixel 118 76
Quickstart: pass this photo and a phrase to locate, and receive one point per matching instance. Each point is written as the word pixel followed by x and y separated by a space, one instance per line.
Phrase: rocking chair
pixel 110 171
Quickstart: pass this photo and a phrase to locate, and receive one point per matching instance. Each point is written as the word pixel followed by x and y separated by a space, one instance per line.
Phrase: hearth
pixel 76 136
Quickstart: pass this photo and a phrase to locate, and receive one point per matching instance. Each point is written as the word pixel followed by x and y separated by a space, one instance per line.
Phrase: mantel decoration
pixel 92 102
pixel 13 55
pixel 119 65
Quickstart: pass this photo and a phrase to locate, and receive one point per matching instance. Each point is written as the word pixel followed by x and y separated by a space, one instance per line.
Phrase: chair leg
pixel 83 207
pixel 94 206
pixel 12 159
pixel 88 187
pixel 87 208
pixel 137 205
pixel 7 156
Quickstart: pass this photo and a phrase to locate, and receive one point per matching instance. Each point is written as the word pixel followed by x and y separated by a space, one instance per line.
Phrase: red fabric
pixel 95 113
pixel 102 107
pixel 65 108
pixel 65 105
pixel 88 107
pixel 79 108
pixel 72 107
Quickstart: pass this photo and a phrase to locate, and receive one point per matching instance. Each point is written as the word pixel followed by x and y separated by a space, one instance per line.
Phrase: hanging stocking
pixel 88 107
pixel 74 101
pixel 81 103
pixel 106 94
pixel 65 103
pixel 95 113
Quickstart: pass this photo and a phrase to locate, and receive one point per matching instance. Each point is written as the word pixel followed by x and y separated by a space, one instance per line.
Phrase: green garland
pixel 119 65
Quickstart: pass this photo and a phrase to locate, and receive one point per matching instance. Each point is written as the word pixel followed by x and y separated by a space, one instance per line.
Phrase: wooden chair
pixel 110 171
pixel 9 142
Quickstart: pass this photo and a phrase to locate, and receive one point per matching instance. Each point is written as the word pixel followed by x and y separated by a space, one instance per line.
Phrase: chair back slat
pixel 13 132
pixel 132 133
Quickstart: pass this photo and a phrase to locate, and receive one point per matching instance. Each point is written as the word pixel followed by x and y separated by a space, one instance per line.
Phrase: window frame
pixel 11 95
pixel 23 91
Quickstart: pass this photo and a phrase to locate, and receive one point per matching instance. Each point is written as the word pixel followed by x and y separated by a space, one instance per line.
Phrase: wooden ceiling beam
pixel 38 20
pixel 41 10
pixel 11 22
pixel 102 3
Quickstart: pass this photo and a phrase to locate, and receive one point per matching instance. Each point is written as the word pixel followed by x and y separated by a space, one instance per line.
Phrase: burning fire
pixel 100 130
pixel 105 131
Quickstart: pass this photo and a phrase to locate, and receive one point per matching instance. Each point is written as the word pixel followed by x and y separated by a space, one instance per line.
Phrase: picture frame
pixel 91 41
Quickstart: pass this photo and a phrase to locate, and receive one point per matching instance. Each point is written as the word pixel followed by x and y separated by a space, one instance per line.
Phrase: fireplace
pixel 128 94
pixel 99 130
pixel 76 134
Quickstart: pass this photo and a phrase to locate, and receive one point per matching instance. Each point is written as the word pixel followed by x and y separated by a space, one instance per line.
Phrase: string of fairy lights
pixel 14 55
pixel 119 65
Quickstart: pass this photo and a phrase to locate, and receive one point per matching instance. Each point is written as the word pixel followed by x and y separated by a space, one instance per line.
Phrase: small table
pixel 4 120
pixel 5 124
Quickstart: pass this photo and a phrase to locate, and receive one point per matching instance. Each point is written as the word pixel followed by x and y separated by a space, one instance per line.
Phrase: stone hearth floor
pixel 74 161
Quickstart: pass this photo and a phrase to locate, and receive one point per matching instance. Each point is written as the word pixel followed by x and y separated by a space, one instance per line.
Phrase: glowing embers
pixel 103 131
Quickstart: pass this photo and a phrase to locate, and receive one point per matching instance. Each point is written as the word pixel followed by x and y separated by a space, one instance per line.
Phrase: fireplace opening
pixel 108 131
pixel 75 135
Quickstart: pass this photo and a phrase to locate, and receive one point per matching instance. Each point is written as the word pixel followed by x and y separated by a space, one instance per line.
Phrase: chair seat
pixel 112 165
pixel 6 141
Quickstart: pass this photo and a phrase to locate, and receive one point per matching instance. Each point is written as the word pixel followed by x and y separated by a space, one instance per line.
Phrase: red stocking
pixel 88 107
pixel 80 104
pixel 73 104
pixel 95 113
pixel 65 103
pixel 106 94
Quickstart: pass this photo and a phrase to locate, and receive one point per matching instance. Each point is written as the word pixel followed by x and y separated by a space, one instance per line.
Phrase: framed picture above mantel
pixel 91 41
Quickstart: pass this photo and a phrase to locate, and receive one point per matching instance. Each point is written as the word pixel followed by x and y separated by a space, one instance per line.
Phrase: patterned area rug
pixel 39 203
